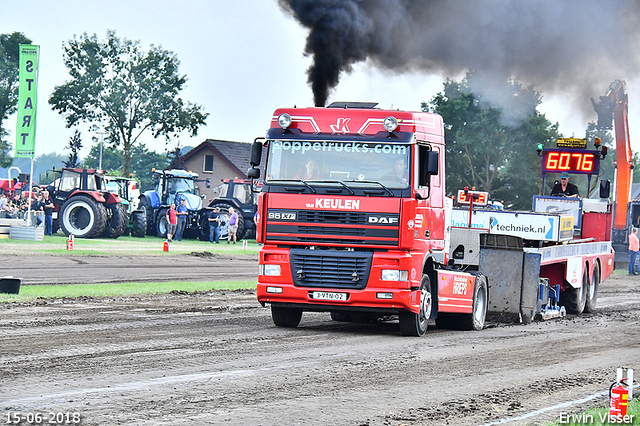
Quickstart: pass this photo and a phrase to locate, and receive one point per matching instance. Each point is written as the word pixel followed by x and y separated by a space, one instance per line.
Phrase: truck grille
pixel 330 268
pixel 331 227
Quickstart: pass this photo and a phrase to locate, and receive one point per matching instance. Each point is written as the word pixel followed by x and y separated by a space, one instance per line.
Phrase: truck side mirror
pixel 208 183
pixel 253 173
pixel 428 165
pixel 256 153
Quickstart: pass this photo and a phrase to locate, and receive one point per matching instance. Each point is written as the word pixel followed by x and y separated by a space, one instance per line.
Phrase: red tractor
pixel 84 206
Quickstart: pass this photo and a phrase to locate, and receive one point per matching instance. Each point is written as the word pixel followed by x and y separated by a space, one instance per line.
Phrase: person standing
pixel 182 218
pixel 172 221
pixel 48 213
pixel 634 247
pixel 233 225
pixel 214 222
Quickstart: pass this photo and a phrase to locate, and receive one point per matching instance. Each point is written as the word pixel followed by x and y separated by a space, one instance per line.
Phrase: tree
pixel 9 74
pixel 175 158
pixel 143 161
pixel 485 153
pixel 130 91
pixel 75 144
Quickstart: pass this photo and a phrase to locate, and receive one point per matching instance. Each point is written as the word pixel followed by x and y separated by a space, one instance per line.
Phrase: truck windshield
pixel 328 161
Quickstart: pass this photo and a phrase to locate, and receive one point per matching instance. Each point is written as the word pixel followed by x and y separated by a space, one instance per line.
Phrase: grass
pixel 599 416
pixel 56 245
pixel 32 292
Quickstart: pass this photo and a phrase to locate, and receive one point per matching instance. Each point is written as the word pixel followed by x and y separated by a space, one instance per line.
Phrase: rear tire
pixel 224 228
pixel 147 211
pixel 592 292
pixel 286 317
pixel 575 299
pixel 475 320
pixel 116 221
pixel 83 217
pixel 139 220
pixel 416 324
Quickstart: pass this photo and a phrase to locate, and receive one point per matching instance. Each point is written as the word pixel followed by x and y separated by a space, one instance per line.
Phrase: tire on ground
pixel 147 211
pixel 224 227
pixel 161 224
pixel 592 291
pixel 475 320
pixel 574 299
pixel 139 220
pixel 83 217
pixel 116 221
pixel 416 324
pixel 286 317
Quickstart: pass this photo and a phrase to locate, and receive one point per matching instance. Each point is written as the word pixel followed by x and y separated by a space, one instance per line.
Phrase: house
pixel 214 160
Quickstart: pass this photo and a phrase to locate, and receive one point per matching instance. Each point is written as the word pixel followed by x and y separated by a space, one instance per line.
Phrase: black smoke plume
pixel 573 47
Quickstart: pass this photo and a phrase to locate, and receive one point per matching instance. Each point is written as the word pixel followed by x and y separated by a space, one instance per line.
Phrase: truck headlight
pixel 271 270
pixel 284 120
pixel 390 124
pixel 394 275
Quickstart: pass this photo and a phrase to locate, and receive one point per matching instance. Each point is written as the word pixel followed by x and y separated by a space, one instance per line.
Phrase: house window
pixel 208 164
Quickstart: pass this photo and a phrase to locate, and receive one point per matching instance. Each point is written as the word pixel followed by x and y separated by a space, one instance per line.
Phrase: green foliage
pixel 484 152
pixel 9 74
pixel 143 161
pixel 75 144
pixel 132 91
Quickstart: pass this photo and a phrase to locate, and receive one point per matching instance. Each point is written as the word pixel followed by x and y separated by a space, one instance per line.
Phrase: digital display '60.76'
pixel 572 161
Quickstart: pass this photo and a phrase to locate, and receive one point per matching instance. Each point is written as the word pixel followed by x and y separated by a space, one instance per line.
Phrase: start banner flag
pixel 27 101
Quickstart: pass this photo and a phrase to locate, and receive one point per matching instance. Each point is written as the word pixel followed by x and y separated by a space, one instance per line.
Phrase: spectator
pixel 233 225
pixel 5 206
pixel 172 221
pixel 182 218
pixel 634 247
pixel 48 213
pixel 38 208
pixel 214 222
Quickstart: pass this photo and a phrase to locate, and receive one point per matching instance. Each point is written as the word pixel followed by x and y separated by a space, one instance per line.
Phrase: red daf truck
pixel 355 220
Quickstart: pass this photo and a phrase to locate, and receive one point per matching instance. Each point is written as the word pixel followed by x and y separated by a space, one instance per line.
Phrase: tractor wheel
pixel 83 217
pixel 139 219
pixel 55 225
pixel 592 292
pixel 203 225
pixel 574 299
pixel 147 211
pixel 116 221
pixel 161 224
pixel 416 324
pixel 475 320
pixel 224 223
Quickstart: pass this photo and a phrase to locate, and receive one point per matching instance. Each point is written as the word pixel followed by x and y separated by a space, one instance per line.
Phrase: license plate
pixel 325 295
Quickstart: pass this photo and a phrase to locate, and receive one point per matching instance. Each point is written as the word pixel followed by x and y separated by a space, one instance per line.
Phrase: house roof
pixel 235 154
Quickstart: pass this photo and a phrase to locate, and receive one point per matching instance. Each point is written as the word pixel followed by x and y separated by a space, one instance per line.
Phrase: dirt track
pixel 216 358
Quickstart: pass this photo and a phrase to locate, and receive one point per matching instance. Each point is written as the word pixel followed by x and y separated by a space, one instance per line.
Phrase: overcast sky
pixel 243 59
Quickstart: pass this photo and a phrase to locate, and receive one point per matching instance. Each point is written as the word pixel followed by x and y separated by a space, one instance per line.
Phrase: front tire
pixel 224 226
pixel 161 224
pixel 139 219
pixel 147 210
pixel 286 317
pixel 416 324
pixel 116 221
pixel 83 217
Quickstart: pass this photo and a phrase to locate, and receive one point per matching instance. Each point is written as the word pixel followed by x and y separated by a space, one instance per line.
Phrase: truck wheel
pixel 475 320
pixel 286 317
pixel 592 293
pixel 83 217
pixel 574 299
pixel 116 221
pixel 341 316
pixel 139 219
pixel 147 211
pixel 161 224
pixel 416 324
pixel 224 229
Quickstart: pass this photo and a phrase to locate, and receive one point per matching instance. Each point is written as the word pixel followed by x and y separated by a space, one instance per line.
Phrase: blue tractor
pixel 171 186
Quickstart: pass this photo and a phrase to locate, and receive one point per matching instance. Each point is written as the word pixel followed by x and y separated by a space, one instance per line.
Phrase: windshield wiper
pixel 296 181
pixel 377 183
